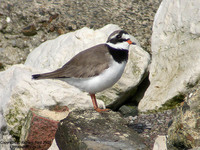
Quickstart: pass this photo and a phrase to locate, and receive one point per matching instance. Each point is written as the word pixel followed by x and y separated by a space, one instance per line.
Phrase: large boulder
pixel 175 53
pixel 86 129
pixel 19 93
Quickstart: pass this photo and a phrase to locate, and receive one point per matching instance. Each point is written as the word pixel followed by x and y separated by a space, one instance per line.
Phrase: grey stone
pixel 128 110
pixel 96 131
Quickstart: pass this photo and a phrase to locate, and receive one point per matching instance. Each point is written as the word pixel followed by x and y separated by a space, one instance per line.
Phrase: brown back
pixel 88 63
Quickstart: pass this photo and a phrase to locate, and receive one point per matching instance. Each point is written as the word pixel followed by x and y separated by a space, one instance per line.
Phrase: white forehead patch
pixel 125 36
pixel 122 45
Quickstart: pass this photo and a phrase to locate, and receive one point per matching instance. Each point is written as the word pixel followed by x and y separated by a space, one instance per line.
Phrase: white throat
pixel 123 45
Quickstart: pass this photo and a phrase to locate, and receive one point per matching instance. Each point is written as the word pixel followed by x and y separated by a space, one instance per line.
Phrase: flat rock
pixel 175 53
pixel 87 129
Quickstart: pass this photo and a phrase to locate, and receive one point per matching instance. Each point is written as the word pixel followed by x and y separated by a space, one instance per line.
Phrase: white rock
pixel 160 143
pixel 18 92
pixel 53 146
pixel 175 52
pixel 8 20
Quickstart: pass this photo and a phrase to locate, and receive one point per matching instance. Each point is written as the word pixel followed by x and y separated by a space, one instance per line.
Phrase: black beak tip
pixel 133 43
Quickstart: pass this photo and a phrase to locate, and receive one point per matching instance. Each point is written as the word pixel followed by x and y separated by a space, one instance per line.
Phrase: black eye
pixel 119 36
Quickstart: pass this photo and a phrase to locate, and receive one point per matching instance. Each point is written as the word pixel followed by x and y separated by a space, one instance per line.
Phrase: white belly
pixel 99 83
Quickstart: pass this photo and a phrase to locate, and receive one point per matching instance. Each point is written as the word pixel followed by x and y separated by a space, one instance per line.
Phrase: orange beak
pixel 130 42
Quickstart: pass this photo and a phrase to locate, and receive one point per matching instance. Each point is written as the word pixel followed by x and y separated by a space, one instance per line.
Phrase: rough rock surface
pixel 88 129
pixel 38 131
pixel 184 133
pixel 175 53
pixel 150 126
pixel 25 24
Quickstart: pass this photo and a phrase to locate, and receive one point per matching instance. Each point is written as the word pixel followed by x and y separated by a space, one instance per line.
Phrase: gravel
pixel 149 126
pixel 25 24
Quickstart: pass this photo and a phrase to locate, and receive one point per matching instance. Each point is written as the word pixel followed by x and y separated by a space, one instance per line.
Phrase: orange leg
pixel 96 105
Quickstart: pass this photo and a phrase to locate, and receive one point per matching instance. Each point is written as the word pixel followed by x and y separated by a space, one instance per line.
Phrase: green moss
pixel 170 104
pixel 136 70
pixel 15 117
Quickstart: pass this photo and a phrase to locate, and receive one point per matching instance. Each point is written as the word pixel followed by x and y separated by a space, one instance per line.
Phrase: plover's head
pixel 119 39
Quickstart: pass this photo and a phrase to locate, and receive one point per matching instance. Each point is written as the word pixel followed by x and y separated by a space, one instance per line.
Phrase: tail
pixel 49 75
pixel 37 76
pixel 43 76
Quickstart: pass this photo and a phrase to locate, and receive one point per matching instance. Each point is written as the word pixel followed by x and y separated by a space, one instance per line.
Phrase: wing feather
pixel 88 63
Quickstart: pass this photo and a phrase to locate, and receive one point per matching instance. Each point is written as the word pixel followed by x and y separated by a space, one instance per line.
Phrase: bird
pixel 97 68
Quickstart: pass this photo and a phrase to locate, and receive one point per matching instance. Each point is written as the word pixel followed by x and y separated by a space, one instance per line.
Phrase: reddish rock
pixel 40 128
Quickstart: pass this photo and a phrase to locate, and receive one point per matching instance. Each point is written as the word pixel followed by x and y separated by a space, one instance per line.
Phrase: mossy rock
pixel 15 118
